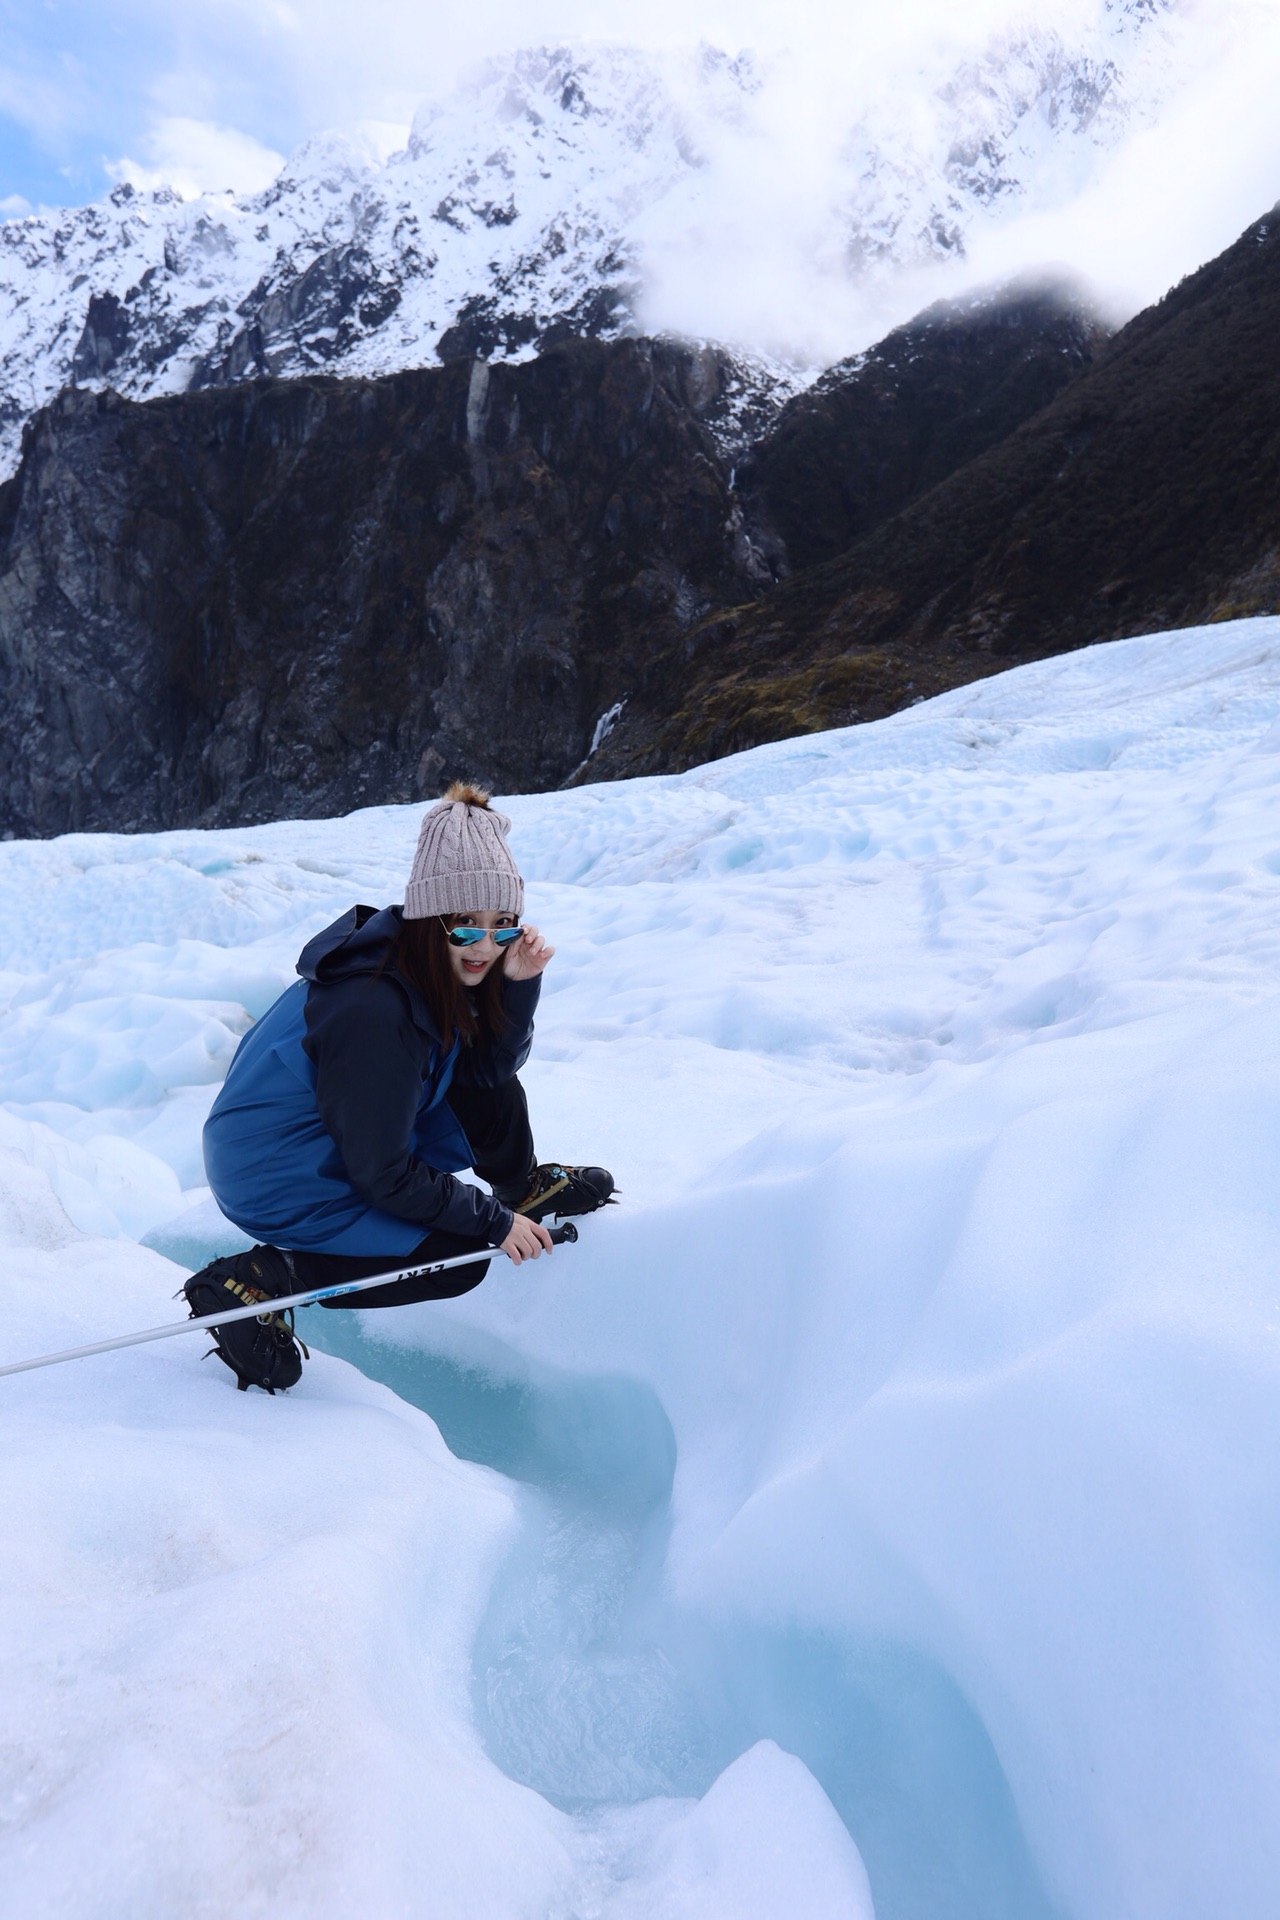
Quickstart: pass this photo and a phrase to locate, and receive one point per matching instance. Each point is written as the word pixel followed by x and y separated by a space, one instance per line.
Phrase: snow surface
pixel 892 1477
pixel 559 172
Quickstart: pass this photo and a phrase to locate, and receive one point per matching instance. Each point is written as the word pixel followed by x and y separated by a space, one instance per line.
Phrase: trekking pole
pixel 560 1236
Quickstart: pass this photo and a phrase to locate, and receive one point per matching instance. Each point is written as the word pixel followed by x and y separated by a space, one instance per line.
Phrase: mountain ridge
pixel 537 200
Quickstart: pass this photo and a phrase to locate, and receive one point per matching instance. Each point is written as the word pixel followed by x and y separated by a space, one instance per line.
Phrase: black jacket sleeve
pixel 502 1060
pixel 371 1061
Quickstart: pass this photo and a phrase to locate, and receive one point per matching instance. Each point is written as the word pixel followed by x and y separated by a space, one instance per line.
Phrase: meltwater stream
pixel 589 1688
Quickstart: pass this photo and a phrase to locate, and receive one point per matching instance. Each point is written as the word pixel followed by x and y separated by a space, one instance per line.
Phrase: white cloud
pixel 199 156
pixel 381 138
pixel 1178 192
pixel 336 63
pixel 14 207
pixel 759 264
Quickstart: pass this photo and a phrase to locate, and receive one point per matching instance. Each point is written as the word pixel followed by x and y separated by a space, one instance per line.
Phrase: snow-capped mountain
pixel 1021 128
pixel 535 200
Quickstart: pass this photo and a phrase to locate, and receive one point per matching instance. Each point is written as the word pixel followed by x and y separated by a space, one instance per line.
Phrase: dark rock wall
pixel 294 598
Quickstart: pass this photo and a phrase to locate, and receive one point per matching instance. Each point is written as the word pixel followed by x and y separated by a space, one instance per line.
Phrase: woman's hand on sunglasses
pixel 526 957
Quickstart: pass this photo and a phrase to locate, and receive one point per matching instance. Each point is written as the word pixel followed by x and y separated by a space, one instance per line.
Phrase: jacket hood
pixel 357 943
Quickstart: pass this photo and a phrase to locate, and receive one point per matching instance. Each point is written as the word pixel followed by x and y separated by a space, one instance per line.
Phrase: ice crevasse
pixel 875 1512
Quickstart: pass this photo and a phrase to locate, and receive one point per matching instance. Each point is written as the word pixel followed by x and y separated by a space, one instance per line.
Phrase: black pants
pixel 496 1123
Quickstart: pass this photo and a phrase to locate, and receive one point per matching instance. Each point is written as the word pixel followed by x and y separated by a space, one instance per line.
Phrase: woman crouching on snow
pixel 387 1069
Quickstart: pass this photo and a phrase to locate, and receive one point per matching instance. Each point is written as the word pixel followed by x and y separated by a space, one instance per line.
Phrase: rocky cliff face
pixel 297 597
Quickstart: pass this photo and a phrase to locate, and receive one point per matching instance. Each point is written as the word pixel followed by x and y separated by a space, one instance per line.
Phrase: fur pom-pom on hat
pixel 462 864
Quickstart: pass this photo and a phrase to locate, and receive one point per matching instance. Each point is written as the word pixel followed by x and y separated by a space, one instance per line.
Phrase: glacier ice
pixel 888 1484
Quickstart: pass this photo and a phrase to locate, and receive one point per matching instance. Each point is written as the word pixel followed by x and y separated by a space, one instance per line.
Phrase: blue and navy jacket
pixel 332 1133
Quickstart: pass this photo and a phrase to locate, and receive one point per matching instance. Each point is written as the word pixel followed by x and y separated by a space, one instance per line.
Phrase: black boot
pixel 261 1352
pixel 552 1188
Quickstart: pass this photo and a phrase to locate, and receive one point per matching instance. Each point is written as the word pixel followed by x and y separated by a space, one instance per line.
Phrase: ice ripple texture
pixel 896 1467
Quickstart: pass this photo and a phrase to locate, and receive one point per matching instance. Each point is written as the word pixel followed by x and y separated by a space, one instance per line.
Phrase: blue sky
pixel 81 85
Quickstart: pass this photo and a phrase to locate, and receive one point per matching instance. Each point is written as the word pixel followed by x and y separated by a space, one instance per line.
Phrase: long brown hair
pixel 421 954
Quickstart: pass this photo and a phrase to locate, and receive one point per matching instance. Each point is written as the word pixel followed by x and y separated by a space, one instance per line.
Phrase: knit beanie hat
pixel 462 864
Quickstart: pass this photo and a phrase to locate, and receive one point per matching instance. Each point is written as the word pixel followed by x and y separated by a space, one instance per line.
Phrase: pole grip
pixel 567 1233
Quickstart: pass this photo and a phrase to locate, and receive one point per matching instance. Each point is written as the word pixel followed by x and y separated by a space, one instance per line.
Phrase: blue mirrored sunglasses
pixel 472 936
